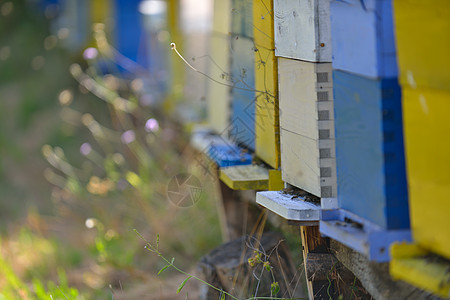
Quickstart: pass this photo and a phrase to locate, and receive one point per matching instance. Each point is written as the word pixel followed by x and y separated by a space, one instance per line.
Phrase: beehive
pixel 267 132
pixel 219 93
pixel 302 29
pixel 362 37
pixel 242 70
pixel 307 126
pixel 369 149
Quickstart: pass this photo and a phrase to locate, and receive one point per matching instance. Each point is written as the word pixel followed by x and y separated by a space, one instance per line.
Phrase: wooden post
pixel 313 242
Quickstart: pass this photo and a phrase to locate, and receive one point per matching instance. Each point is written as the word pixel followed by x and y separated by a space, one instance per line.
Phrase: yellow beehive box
pixel 219 93
pixel 426 128
pixel 423 42
pixel 266 107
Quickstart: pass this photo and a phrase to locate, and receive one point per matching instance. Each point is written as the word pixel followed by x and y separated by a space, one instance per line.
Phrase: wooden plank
pixel 426 126
pixel 266 107
pixel 248 177
pixel 303 29
pixel 300 82
pixel 303 167
pixel 363 39
pixel 409 263
pixel 370 162
pixel 312 241
pixel 419 24
pixel 307 126
pixel 243 92
pixel 300 162
pixel 290 208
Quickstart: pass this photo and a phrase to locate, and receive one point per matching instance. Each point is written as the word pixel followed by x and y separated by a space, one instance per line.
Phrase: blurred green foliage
pixel 47 246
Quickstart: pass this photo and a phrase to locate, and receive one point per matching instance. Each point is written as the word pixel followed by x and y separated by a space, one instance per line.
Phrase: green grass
pixel 46 248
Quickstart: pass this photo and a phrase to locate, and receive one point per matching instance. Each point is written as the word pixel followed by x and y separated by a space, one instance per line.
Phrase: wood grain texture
pixel 302 29
pixel 307 126
pixel 303 167
pixel 299 105
pixel 266 107
pixel 369 149
pixel 423 44
pixel 426 126
pixel 312 241
pixel 363 39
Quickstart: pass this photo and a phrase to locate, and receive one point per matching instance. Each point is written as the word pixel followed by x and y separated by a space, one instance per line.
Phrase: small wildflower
pixel 90 53
pixel 251 262
pixel 267 266
pixel 85 149
pixel 152 125
pixel 128 137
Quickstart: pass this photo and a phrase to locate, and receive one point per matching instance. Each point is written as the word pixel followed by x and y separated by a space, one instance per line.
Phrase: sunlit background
pixel 91 103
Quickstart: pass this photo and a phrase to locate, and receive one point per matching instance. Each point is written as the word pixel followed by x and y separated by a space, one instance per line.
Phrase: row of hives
pixel 345 100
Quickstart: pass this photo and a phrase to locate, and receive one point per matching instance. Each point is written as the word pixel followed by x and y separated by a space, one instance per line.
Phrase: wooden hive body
pixel 369 149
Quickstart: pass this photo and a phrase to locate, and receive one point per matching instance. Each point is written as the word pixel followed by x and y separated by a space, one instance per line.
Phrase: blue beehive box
pixel 242 129
pixel 362 36
pixel 128 29
pixel 242 71
pixel 369 149
pixel 227 155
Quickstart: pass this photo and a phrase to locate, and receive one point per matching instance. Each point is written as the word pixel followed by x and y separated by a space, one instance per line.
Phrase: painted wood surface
pixel 295 209
pixel 100 11
pixel 243 92
pixel 426 127
pixel 369 149
pixel 307 126
pixel 249 177
pixel 423 43
pixel 202 136
pixel 356 232
pixel 300 109
pixel 219 94
pixel 363 39
pixel 275 181
pixel 225 155
pixel 128 30
pixel 267 130
pixel 409 263
pixel 242 18
pixel 302 29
